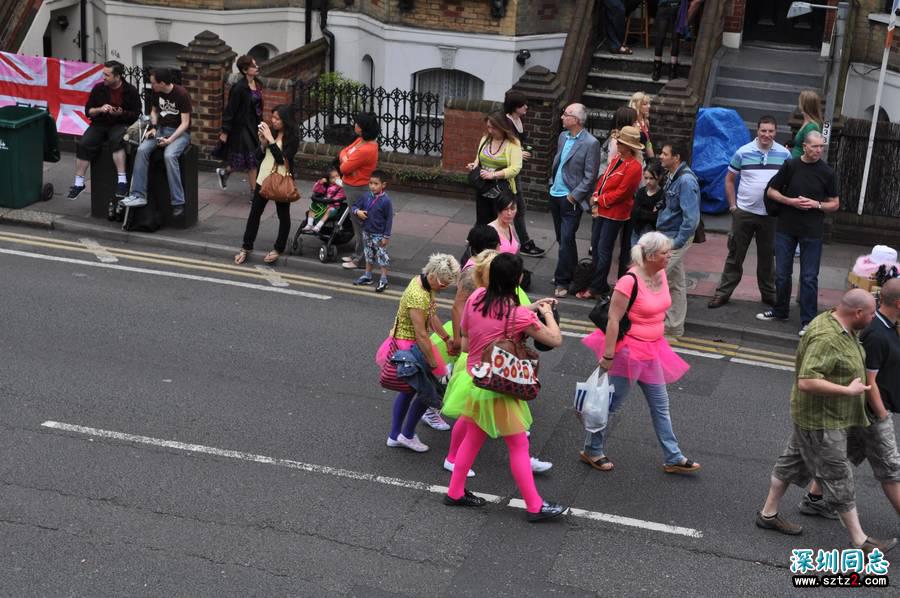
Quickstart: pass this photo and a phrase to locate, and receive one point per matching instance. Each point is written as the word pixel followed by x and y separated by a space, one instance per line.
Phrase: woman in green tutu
pixel 491 313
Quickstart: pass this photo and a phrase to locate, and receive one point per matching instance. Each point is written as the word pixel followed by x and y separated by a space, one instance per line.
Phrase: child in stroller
pixel 327 198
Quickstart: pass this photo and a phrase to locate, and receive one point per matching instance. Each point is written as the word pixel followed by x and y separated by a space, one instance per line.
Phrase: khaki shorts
pixel 819 454
pixel 878 444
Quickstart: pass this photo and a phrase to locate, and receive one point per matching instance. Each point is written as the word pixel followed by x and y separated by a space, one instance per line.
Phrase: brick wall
pixel 463 128
pixel 543 16
pixel 305 63
pixel 734 15
pixel 275 91
pixel 469 16
pixel 867 37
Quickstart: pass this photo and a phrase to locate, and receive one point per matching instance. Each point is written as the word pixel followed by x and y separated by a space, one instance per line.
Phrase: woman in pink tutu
pixel 642 355
pixel 416 320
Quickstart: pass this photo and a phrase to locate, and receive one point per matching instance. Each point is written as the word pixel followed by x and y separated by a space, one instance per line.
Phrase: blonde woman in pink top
pixel 642 355
pixel 503 224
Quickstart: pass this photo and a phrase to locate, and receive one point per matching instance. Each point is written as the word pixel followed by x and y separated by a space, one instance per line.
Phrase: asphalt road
pixel 166 373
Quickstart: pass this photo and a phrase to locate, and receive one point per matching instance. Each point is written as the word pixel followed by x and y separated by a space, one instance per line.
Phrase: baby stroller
pixel 336 231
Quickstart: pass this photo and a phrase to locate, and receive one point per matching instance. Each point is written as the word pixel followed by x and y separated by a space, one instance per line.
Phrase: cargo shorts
pixel 819 454
pixel 877 444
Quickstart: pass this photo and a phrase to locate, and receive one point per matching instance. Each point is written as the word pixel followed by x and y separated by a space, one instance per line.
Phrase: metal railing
pixel 410 121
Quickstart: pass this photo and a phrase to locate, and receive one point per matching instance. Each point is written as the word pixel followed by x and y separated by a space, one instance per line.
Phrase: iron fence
pixel 140 77
pixel 410 121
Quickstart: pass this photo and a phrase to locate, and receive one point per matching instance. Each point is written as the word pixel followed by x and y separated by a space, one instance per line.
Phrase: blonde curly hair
pixel 483 266
pixel 443 266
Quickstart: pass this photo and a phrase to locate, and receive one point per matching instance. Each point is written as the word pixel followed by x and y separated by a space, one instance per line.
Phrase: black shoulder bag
pixel 486 188
pixel 600 314
pixel 774 207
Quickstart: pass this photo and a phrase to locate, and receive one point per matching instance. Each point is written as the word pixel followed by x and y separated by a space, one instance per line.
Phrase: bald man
pixel 827 402
pixel 806 188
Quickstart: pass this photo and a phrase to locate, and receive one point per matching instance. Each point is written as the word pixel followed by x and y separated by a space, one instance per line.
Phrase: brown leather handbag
pixel 280 187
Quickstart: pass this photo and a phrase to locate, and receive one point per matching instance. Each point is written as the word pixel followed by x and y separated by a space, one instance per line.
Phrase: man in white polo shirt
pixel 756 163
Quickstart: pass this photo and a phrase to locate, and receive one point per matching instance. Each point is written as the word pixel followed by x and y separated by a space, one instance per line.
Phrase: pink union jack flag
pixel 61 86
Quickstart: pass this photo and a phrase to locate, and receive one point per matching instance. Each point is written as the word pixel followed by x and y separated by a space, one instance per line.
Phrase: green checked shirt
pixel 829 352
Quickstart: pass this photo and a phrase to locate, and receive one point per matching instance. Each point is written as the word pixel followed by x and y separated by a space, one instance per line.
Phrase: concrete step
pixel 605 99
pixel 751 111
pixel 778 93
pixel 803 80
pixel 639 63
pixel 624 81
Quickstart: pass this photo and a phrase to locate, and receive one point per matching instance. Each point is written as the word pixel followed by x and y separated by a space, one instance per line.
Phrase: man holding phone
pixel 112 106
pixel 170 123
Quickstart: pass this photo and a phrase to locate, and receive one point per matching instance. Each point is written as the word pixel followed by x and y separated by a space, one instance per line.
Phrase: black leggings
pixel 666 19
pixel 283 209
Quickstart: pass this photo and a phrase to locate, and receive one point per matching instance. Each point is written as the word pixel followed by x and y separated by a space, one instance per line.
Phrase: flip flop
pixel 585 295
pixel 241 257
pixel 560 292
pixel 599 463
pixel 271 257
pixel 687 467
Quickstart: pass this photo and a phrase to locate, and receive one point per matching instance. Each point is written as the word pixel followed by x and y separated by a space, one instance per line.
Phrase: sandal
pixel 585 294
pixel 624 50
pixel 599 463
pixel 271 257
pixel 241 257
pixel 687 467
pixel 560 292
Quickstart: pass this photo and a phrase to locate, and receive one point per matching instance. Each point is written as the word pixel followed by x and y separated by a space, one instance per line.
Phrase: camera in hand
pixel 538 345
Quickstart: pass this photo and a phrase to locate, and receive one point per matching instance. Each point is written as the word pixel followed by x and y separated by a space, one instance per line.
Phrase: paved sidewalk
pixel 426 224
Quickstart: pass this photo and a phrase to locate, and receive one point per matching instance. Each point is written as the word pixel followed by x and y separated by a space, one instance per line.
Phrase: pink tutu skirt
pixel 652 362
pixel 384 351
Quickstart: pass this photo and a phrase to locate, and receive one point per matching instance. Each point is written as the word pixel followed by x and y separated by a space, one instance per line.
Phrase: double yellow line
pixel 567 324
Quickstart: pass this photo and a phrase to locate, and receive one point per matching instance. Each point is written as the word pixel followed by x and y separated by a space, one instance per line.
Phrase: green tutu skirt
pixel 441 346
pixel 495 413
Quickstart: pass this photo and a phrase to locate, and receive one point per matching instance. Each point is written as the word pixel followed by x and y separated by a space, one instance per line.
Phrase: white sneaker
pixel 433 418
pixel 393 443
pixel 449 467
pixel 413 444
pixel 308 228
pixel 134 201
pixel 802 330
pixel 538 466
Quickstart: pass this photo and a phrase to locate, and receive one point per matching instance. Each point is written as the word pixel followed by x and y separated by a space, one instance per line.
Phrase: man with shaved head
pixel 804 189
pixel 827 402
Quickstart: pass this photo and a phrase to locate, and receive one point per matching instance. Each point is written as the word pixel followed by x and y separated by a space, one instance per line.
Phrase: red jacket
pixel 618 188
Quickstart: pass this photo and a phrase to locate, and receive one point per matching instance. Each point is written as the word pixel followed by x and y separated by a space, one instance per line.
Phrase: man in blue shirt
pixel 755 163
pixel 574 174
pixel 678 221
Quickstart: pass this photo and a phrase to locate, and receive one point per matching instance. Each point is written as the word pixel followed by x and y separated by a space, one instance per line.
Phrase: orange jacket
pixel 358 161
pixel 614 195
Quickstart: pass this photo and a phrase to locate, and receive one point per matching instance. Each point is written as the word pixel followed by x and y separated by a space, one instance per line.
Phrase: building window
pixel 260 53
pixel 447 84
pixel 161 55
pixel 368 71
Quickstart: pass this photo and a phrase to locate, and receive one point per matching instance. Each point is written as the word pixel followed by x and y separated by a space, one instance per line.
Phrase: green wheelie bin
pixel 23 133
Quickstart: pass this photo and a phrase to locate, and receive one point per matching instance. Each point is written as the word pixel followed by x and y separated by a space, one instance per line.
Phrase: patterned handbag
pixel 389 378
pixel 508 366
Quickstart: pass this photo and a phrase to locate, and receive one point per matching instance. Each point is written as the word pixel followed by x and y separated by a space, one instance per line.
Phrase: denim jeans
pixel 566 218
pixel 658 402
pixel 810 258
pixel 603 238
pixel 173 170
pixel 615 24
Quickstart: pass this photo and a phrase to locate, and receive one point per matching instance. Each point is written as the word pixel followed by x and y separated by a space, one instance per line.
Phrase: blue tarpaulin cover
pixel 719 132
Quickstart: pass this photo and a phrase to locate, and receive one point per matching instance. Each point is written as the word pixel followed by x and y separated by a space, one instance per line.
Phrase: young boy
pixel 377 215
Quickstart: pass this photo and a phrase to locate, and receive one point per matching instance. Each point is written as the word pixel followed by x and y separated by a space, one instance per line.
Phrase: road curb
pixel 29 218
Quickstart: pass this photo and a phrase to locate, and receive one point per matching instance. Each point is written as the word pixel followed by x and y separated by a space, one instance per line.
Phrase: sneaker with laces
pixel 134 201
pixel 532 250
pixel 382 285
pixel 222 176
pixel 818 508
pixel 178 210
pixel 768 316
pixel 449 467
pixel 538 466
pixel 121 189
pixel 433 418
pixel 413 444
pixel 74 192
pixel 363 280
pixel 392 443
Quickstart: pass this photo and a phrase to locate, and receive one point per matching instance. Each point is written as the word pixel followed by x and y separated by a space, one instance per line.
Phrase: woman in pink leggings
pixel 490 313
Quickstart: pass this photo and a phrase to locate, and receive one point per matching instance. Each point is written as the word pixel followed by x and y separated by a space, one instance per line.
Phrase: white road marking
pixel 99 250
pixel 222 281
pixel 272 277
pixel 762 364
pixel 518 503
pixel 698 353
pixel 354 475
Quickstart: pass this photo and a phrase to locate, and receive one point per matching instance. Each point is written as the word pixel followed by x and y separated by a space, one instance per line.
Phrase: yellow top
pixel 265 169
pixel 414 297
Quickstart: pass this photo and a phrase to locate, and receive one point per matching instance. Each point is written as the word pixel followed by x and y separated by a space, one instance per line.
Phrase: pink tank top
pixel 507 244
pixel 648 313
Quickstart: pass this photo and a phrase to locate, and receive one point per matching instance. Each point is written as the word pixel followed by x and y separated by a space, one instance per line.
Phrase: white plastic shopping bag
pixel 592 398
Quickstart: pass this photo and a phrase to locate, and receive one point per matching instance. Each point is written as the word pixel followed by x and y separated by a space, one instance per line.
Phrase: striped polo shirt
pixel 828 352
pixel 755 168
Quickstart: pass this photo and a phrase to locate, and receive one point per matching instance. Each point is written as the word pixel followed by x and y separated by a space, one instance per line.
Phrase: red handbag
pixel 389 378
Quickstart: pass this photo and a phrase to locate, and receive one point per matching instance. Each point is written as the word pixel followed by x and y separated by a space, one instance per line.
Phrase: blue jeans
pixel 658 402
pixel 603 238
pixel 566 218
pixel 173 170
pixel 615 24
pixel 810 258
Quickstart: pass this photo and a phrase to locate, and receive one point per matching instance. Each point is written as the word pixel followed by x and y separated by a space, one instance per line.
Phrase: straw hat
pixel 631 137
